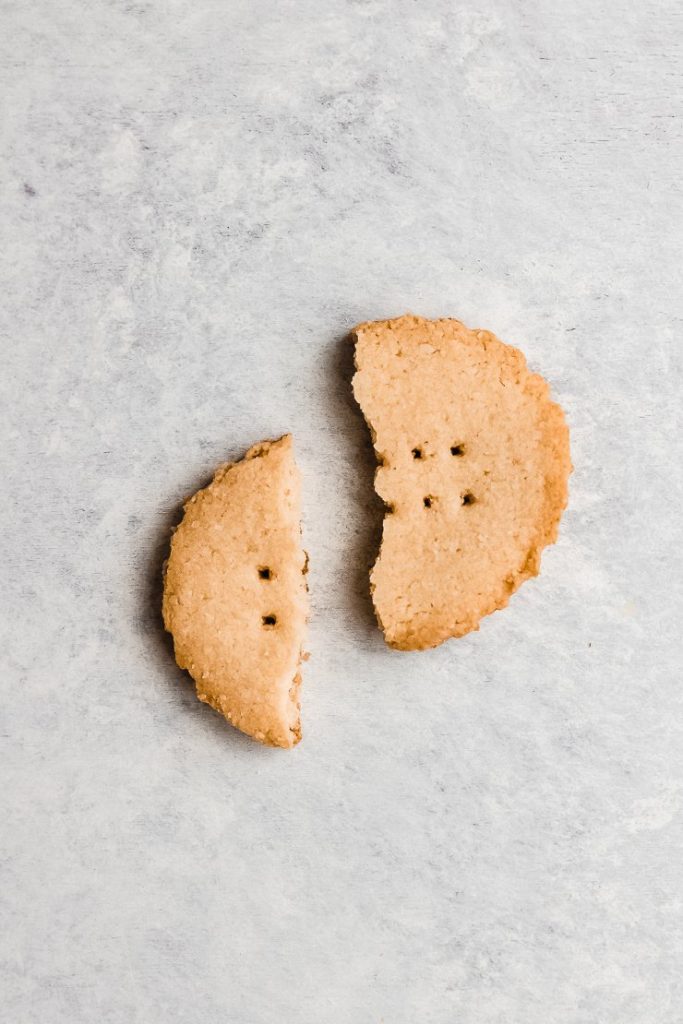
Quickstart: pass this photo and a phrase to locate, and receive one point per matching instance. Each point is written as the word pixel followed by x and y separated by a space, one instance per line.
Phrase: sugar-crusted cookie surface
pixel 235 595
pixel 473 467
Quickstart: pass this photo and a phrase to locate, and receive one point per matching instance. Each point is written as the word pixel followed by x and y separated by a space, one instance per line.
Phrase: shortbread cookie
pixel 235 595
pixel 473 466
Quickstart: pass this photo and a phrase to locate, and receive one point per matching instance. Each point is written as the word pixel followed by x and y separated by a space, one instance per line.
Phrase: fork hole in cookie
pixel 269 621
pixel 417 453
pixel 468 498
pixel 265 573
pixel 457 449
pixel 428 501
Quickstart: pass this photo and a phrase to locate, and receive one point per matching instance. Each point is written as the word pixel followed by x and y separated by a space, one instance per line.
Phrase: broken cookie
pixel 473 468
pixel 235 596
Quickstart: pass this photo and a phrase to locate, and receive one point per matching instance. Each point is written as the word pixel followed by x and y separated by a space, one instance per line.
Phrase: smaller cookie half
pixel 235 596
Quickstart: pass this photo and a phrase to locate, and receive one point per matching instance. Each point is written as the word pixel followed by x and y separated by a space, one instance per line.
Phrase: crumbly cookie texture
pixel 473 468
pixel 235 595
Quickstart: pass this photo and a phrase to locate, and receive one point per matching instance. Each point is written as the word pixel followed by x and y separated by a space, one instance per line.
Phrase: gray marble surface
pixel 198 200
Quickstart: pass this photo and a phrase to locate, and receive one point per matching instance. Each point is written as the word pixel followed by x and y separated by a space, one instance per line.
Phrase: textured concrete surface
pixel 198 200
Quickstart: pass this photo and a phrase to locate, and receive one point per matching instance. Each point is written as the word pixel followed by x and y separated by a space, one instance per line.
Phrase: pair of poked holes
pixel 265 573
pixel 457 450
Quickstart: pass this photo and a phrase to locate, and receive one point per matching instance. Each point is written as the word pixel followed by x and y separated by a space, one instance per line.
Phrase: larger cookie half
pixel 235 594
pixel 473 467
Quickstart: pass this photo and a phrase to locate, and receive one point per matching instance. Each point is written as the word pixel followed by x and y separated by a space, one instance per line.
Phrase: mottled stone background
pixel 199 198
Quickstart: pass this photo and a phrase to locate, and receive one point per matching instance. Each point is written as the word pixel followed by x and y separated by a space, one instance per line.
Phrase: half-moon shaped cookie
pixel 235 596
pixel 473 468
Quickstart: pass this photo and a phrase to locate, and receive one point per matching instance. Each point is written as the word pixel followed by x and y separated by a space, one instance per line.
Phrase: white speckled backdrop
pixel 199 199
